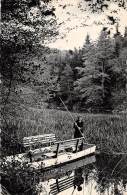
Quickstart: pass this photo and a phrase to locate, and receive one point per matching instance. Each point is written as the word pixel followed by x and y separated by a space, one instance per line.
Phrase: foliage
pixel 102 75
pixel 96 74
pixel 102 5
pixel 66 85
pixel 19 178
pixel 25 27
pixel 109 174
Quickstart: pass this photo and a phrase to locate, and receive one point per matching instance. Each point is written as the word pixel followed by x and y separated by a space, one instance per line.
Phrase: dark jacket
pixel 78 132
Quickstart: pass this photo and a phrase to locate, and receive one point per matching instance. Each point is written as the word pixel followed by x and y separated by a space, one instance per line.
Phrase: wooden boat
pixel 64 156
pixel 57 154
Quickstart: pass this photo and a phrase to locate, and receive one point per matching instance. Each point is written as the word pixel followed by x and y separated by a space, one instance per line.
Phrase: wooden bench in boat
pixel 38 141
pixel 72 145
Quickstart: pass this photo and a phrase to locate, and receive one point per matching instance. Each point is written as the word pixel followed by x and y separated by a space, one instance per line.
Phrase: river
pixel 93 175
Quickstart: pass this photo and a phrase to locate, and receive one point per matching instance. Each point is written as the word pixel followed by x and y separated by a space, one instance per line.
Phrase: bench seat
pixel 38 141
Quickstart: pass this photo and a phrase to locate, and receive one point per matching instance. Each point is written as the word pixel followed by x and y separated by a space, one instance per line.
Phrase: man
pixel 30 155
pixel 78 126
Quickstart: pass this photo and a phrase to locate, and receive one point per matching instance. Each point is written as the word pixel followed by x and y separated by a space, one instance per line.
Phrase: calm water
pixel 100 175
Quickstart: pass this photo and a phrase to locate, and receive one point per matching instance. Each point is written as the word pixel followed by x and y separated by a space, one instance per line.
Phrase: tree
pixel 119 78
pixel 66 85
pixel 94 84
pixel 25 26
pixel 125 38
pixel 105 52
pixel 117 72
pixel 118 41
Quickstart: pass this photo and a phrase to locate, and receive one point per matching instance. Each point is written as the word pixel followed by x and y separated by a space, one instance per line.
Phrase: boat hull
pixel 63 159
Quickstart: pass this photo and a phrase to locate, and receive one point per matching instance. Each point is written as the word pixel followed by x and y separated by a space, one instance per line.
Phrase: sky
pixel 75 21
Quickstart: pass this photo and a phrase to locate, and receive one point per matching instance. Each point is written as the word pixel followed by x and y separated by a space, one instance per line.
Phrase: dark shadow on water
pixel 111 171
pixel 108 172
pixel 78 179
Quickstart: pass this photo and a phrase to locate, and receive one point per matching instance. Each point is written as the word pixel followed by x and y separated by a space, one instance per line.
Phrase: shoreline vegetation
pixel 107 131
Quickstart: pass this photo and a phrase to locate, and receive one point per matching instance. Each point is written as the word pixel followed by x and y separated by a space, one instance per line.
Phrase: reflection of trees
pixel 88 172
pixel 111 172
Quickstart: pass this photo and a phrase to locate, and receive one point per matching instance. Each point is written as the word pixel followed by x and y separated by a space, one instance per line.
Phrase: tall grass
pixel 108 132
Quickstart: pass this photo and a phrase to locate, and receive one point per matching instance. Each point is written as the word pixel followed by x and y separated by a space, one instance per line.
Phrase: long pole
pixel 71 116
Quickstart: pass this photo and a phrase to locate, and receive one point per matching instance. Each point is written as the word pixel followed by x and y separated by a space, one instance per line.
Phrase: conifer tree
pixel 94 84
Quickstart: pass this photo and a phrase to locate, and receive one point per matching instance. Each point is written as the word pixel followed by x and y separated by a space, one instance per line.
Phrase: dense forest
pixel 93 79
pixel 90 79
pixel 34 77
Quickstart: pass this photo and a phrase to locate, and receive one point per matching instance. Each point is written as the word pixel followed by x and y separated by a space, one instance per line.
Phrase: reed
pixel 108 132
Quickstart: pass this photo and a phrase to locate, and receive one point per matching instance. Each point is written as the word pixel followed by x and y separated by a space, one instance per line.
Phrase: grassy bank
pixel 108 132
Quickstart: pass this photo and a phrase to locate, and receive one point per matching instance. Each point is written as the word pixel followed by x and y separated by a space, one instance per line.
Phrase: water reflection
pixel 103 175
pixel 111 173
pixel 78 179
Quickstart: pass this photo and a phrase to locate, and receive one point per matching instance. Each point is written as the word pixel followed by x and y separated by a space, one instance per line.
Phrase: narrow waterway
pixel 93 175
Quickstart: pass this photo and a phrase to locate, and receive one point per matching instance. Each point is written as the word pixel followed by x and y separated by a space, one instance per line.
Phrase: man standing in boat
pixel 78 126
